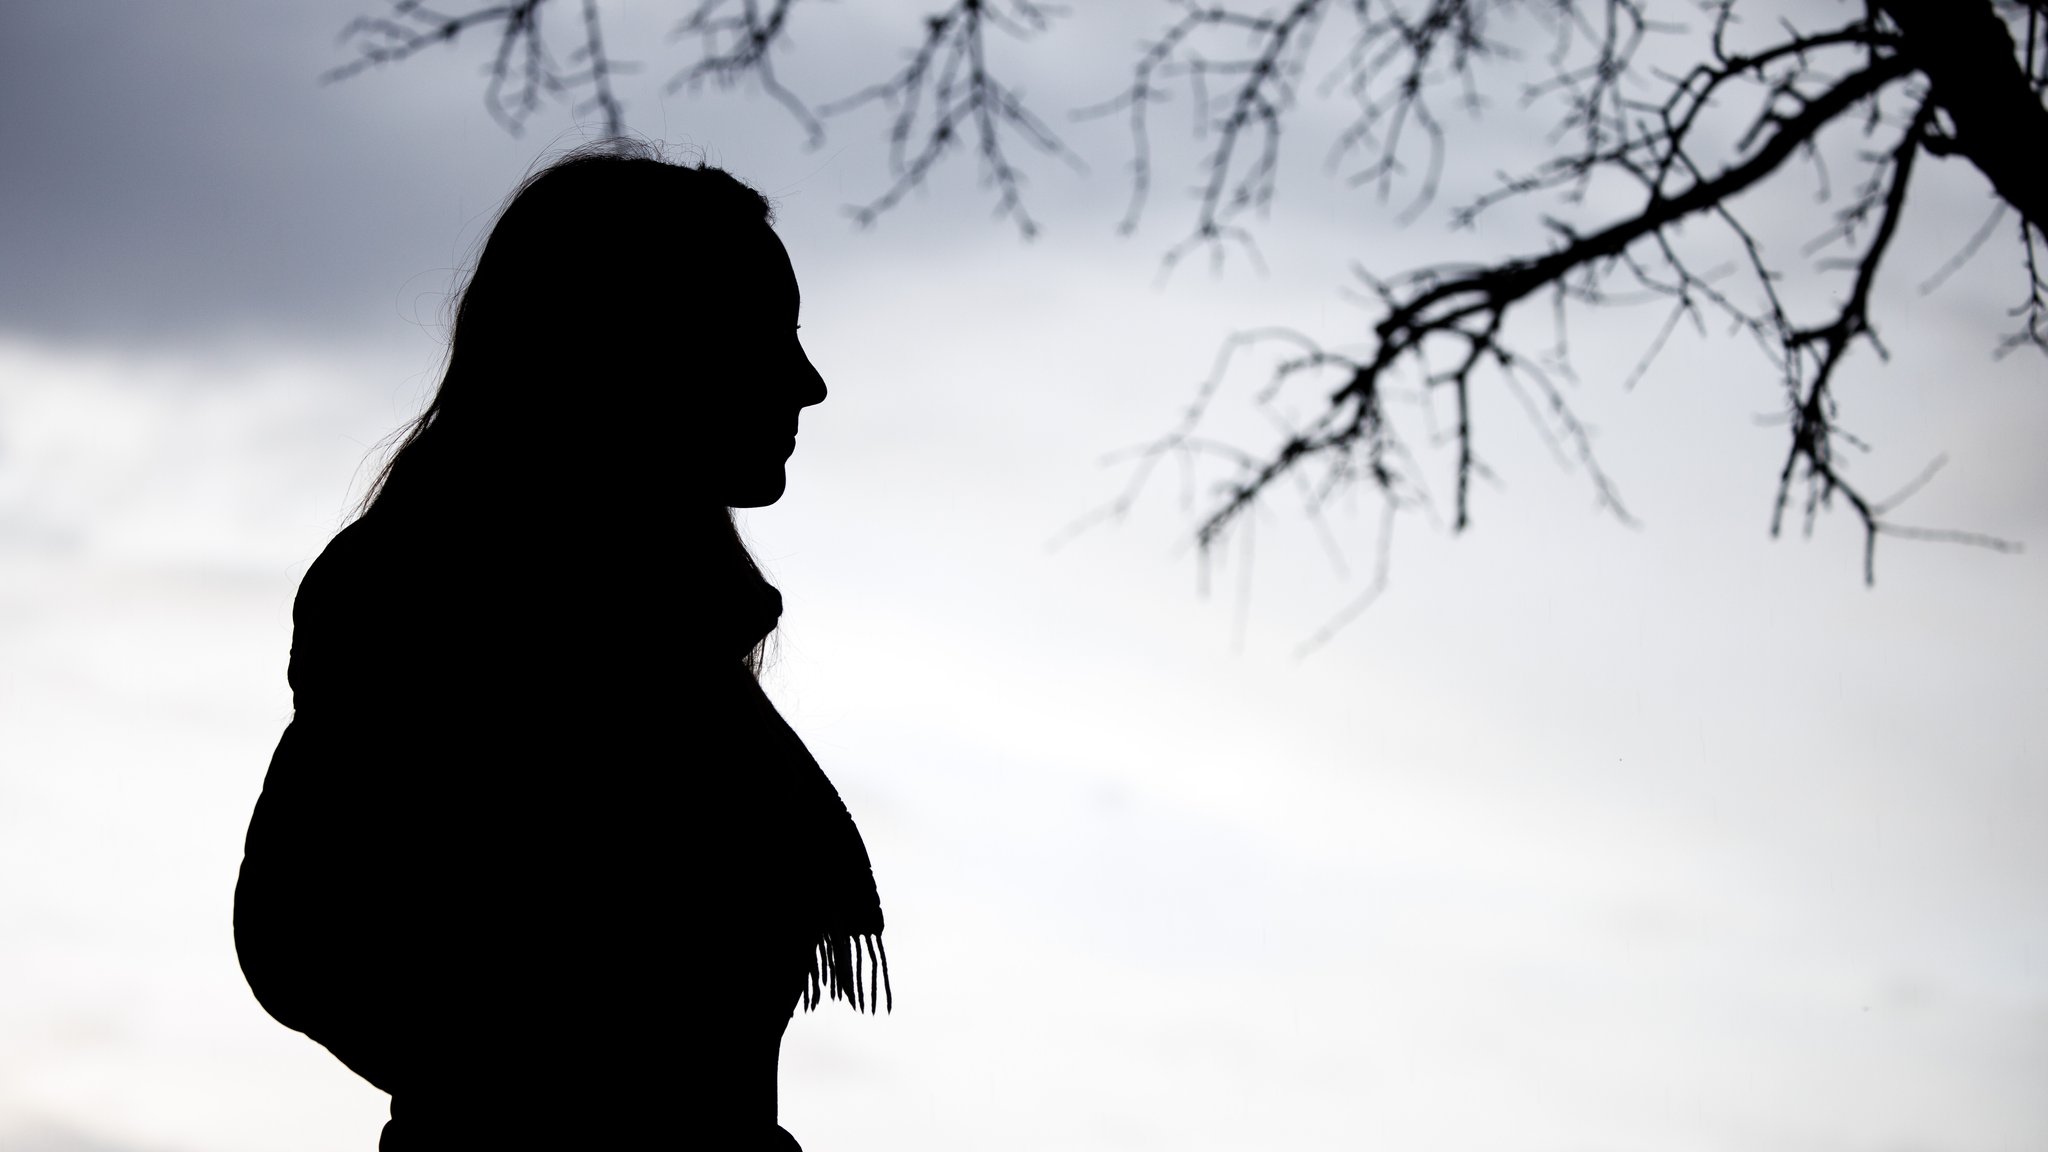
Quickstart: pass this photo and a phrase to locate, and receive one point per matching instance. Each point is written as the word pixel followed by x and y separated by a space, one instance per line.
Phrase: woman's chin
pixel 757 492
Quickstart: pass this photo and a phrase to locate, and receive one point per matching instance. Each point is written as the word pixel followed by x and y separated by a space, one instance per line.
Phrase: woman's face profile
pixel 747 377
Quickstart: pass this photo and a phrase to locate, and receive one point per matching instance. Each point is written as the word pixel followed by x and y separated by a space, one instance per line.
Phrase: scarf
pixel 822 862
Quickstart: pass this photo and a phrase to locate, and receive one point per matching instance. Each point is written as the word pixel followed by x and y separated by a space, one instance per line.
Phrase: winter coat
pixel 535 854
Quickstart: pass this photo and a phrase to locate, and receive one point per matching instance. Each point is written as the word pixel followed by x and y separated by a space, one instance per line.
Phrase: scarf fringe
pixel 836 971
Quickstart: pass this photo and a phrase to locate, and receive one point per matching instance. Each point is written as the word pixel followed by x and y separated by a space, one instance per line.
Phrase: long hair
pixel 573 271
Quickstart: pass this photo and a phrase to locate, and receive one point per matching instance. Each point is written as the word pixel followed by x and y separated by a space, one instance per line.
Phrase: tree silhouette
pixel 1757 94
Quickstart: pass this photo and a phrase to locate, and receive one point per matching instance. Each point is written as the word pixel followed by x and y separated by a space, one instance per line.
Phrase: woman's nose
pixel 810 386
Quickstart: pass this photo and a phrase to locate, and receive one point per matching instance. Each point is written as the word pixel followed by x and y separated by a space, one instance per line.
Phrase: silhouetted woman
pixel 535 854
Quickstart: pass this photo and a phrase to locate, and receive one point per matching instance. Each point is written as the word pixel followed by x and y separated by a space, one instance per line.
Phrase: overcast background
pixel 1582 838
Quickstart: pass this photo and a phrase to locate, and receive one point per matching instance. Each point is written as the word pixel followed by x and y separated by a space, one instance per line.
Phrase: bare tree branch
pixel 1990 96
pixel 737 39
pixel 1267 79
pixel 946 91
pixel 1440 326
pixel 521 70
pixel 1467 308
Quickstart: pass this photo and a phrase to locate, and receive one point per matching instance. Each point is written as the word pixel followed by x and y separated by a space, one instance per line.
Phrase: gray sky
pixel 1583 837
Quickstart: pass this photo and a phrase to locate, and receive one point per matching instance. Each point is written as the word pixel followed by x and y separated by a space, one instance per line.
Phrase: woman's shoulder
pixel 375 578
pixel 357 564
pixel 330 608
pixel 371 559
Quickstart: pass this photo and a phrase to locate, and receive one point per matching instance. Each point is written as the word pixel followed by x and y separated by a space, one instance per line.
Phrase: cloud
pixel 47 1136
pixel 176 172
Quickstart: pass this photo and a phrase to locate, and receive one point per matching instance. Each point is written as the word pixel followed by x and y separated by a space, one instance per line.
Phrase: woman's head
pixel 633 315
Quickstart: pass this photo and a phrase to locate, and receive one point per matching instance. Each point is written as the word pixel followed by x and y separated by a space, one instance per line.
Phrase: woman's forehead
pixel 755 269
